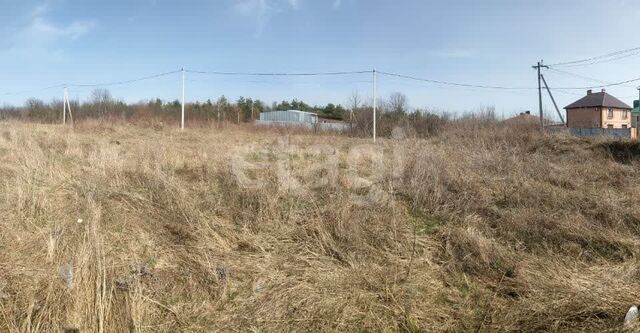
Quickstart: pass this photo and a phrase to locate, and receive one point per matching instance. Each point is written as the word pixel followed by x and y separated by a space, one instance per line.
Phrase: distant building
pixel 525 118
pixel 530 120
pixel 598 110
pixel 289 117
pixel 635 114
pixel 301 119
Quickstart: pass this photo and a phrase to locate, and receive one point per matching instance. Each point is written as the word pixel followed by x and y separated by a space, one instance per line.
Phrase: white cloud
pixel 39 35
pixel 40 31
pixel 260 11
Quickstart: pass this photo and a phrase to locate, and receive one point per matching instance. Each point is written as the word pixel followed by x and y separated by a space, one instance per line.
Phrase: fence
pixel 622 133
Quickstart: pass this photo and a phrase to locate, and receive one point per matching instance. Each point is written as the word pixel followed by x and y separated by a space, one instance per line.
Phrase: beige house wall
pixel 618 119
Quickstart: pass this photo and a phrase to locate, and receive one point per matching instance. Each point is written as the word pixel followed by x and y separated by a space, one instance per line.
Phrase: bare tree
pixel 34 104
pixel 33 108
pixel 102 101
pixel 355 101
pixel 398 103
pixel 101 96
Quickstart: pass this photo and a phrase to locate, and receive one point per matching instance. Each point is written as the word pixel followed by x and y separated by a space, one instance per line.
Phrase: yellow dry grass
pixel 111 228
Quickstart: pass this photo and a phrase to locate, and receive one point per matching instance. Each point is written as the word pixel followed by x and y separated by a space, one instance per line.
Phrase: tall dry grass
pixel 481 228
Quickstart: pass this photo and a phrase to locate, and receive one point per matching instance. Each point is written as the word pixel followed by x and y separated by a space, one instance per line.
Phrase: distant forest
pixel 393 112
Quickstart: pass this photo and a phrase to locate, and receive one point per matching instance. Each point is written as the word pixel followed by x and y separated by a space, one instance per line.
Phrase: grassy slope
pixel 488 229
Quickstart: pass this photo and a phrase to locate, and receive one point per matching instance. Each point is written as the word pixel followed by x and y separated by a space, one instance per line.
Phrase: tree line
pixel 393 111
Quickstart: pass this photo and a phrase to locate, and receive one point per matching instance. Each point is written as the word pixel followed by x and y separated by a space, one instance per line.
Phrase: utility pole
pixel 351 121
pixel 538 67
pixel 182 116
pixel 64 106
pixel 375 102
pixel 552 99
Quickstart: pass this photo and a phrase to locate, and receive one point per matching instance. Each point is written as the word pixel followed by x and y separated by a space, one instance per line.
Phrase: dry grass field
pixel 112 228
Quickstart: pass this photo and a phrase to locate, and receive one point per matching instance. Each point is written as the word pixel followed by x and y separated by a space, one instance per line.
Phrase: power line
pixel 89 85
pixel 621 83
pixel 587 78
pixel 468 85
pixel 278 74
pixel 32 90
pixel 408 77
pixel 280 83
pixel 566 92
pixel 400 83
pixel 601 58
pixel 605 60
pixel 117 83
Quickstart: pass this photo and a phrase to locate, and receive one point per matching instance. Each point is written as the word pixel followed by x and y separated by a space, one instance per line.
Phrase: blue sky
pixel 492 42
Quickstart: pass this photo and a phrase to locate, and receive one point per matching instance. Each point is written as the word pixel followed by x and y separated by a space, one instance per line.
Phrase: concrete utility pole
pixel 552 99
pixel 64 106
pixel 538 67
pixel 375 102
pixel 182 115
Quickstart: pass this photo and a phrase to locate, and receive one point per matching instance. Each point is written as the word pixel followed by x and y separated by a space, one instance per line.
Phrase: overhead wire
pixel 621 83
pixel 117 83
pixel 448 83
pixel 605 60
pixel 586 78
pixel 277 74
pixel 31 90
pixel 340 73
pixel 76 85
pixel 605 57
pixel 266 82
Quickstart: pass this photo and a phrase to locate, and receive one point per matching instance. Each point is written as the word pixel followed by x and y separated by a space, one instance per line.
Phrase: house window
pixel 609 126
pixel 624 125
pixel 610 113
pixel 625 114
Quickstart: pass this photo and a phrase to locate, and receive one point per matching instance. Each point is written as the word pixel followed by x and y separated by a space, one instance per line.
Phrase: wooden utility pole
pixel 538 67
